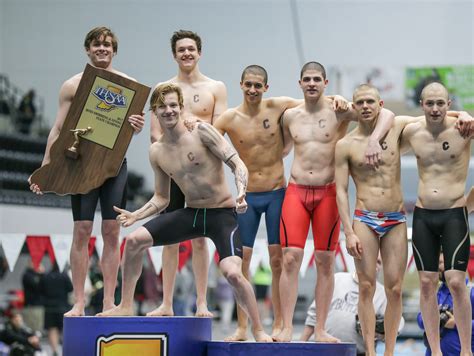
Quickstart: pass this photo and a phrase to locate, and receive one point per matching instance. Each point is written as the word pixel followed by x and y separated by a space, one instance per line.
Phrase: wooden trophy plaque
pixel 95 135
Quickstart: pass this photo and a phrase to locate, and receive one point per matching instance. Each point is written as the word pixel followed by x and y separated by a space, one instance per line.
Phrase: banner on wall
pixel 388 80
pixel 57 248
pixel 12 245
pixel 459 80
pixel 62 246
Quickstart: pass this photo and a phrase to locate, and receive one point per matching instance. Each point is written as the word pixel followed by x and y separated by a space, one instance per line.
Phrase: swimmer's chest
pixel 263 131
pixel 199 102
pixel 189 156
pixel 445 149
pixel 323 129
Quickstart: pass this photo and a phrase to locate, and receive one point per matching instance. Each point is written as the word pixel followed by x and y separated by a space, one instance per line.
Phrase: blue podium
pixel 124 336
pixel 279 349
pixel 173 336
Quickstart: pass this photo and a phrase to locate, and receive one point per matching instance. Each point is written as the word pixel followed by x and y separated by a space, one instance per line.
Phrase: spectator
pixel 450 343
pixel 33 312
pixel 342 317
pixel 55 288
pixel 22 340
pixel 26 112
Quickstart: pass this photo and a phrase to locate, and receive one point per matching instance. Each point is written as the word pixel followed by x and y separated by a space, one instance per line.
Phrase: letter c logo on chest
pixel 445 145
pixel 266 124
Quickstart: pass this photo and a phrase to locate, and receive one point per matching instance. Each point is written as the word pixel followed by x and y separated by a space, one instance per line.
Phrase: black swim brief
pixel 219 224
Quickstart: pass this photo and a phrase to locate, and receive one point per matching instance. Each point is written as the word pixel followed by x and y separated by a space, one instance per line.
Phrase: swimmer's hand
pixel 137 122
pixel 354 246
pixel 34 187
pixel 465 124
pixel 373 153
pixel 241 204
pixel 339 103
pixel 125 218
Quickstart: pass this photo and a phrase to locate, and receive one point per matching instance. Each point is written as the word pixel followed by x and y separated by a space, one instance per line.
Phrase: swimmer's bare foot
pixel 108 306
pixel 261 336
pixel 203 312
pixel 323 336
pixel 285 335
pixel 277 328
pixel 77 310
pixel 162 310
pixel 119 310
pixel 239 335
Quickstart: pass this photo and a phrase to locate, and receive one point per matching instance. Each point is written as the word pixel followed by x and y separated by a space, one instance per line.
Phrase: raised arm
pixel 465 123
pixel 338 102
pixel 220 101
pixel 373 152
pixel 222 149
pixel 285 102
pixel 385 122
pixel 157 203
pixel 353 245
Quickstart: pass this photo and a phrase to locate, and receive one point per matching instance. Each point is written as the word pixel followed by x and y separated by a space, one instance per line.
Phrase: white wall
pixel 42 40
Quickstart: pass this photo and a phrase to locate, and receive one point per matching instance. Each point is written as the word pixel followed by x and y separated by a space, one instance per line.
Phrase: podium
pixel 173 336
pixel 120 336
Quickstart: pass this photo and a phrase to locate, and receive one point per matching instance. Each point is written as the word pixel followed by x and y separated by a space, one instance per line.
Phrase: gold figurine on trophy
pixel 72 152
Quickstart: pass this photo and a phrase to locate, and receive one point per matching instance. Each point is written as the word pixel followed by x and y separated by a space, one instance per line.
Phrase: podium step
pixel 120 336
pixel 279 349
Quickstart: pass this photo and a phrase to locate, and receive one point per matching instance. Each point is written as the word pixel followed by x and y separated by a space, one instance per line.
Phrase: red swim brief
pixel 304 204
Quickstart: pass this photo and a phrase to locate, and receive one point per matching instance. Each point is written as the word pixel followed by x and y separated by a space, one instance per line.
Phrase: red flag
pixel 38 246
pixel 91 245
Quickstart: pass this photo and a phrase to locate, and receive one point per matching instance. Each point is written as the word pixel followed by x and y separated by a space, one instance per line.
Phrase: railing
pixel 10 98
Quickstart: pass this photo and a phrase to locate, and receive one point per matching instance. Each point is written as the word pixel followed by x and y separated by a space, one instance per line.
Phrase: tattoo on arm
pixel 217 143
pixel 147 210
pixel 241 180
pixel 209 134
pixel 155 206
pixel 228 154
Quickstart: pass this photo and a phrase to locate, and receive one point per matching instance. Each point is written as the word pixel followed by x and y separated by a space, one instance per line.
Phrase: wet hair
pixel 363 87
pixel 182 34
pixel 255 70
pixel 98 32
pixel 313 65
pixel 158 95
pixel 435 86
